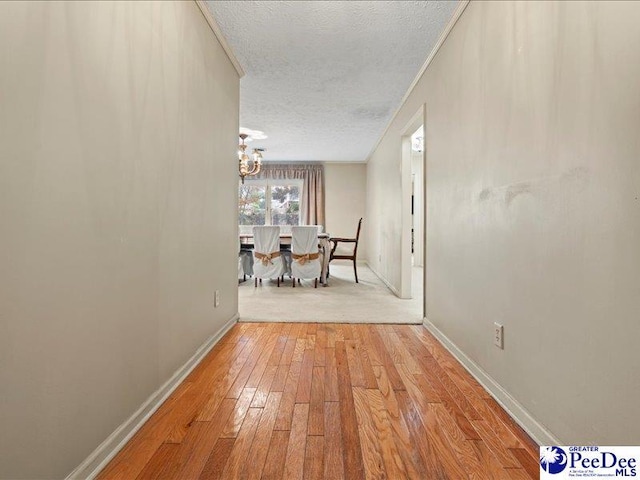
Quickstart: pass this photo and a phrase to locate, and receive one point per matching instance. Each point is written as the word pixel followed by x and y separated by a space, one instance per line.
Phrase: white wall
pixel 118 188
pixel 533 210
pixel 345 192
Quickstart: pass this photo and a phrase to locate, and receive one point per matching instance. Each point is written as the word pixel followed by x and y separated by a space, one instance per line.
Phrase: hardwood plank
pixel 280 379
pixel 367 368
pixel 303 395
pixel 429 391
pixel 451 388
pixel 384 336
pixel 393 463
pixel 262 392
pixel 245 372
pixel 260 446
pixel 518 474
pixel 242 444
pixel 333 462
pixel 437 440
pixel 321 339
pixel 217 460
pixel 504 456
pixel 234 423
pixel 294 463
pixel 298 351
pixel 529 465
pixel 278 349
pixel 412 385
pixel 331 376
pixel 528 444
pixel 274 465
pixel 331 336
pixel 314 458
pixel 456 441
pixel 200 441
pixel 410 456
pixel 492 468
pixel 419 437
pixel 344 332
pixel 387 361
pixel 352 452
pixel 263 361
pixel 507 437
pixel 287 353
pixel 311 341
pixel 363 333
pixel 285 412
pixel 319 356
pixel 386 390
pixel 373 463
pixel 161 464
pixel 452 407
pixel 355 368
pixel 401 349
pixel 316 405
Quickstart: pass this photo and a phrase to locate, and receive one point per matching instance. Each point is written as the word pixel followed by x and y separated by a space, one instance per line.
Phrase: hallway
pixel 308 400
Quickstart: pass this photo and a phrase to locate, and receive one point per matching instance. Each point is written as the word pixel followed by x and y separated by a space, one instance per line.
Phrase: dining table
pixel 246 240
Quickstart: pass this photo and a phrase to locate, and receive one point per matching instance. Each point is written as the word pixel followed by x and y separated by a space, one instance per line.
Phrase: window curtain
pixel 312 176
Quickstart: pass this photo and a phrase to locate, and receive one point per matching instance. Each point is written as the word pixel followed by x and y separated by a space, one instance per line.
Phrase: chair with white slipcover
pixel 266 254
pixel 305 254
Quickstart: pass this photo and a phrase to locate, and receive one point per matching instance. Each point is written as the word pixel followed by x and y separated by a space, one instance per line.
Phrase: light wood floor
pixel 332 401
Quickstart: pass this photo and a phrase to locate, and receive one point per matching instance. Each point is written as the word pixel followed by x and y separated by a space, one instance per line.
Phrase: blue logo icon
pixel 553 459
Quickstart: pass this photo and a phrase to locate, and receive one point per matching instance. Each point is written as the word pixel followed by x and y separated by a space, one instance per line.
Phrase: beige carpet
pixel 369 301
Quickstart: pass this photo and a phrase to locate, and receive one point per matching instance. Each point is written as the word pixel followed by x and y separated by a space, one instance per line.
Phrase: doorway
pixel 413 256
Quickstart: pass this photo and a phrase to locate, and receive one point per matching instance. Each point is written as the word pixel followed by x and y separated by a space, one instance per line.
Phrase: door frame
pixel 419 118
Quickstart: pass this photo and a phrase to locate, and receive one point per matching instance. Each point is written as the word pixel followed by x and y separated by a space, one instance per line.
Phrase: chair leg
pixel 299 283
pixel 260 281
pixel 278 281
pixel 256 282
pixel 293 284
pixel 355 270
pixel 315 283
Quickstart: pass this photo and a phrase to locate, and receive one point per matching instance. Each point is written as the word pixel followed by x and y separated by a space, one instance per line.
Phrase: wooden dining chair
pixel 337 240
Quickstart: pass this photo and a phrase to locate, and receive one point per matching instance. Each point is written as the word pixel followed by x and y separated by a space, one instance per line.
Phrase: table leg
pixel 324 243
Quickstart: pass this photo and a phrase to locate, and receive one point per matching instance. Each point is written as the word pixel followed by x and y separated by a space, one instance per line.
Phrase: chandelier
pixel 248 165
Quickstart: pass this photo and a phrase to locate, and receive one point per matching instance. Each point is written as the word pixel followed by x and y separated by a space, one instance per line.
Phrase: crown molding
pixel 462 5
pixel 202 5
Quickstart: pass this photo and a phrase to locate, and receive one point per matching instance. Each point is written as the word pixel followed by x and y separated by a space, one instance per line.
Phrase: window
pixel 269 202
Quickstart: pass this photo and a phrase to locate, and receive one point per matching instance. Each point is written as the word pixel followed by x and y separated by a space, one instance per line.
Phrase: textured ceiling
pixel 323 78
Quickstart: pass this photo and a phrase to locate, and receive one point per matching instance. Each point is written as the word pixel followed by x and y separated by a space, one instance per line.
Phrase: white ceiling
pixel 323 78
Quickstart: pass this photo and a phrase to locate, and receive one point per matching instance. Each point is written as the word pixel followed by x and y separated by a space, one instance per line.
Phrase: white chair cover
pixel 245 258
pixel 305 240
pixel 266 240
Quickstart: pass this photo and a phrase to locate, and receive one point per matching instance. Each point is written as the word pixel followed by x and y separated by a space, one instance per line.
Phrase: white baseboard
pixel 108 449
pixel 384 280
pixel 522 417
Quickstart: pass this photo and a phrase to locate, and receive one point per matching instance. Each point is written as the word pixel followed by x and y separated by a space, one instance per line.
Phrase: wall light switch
pixel 216 299
pixel 498 333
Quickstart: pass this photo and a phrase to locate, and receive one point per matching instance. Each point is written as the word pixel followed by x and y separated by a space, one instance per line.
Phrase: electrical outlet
pixel 498 336
pixel 216 299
